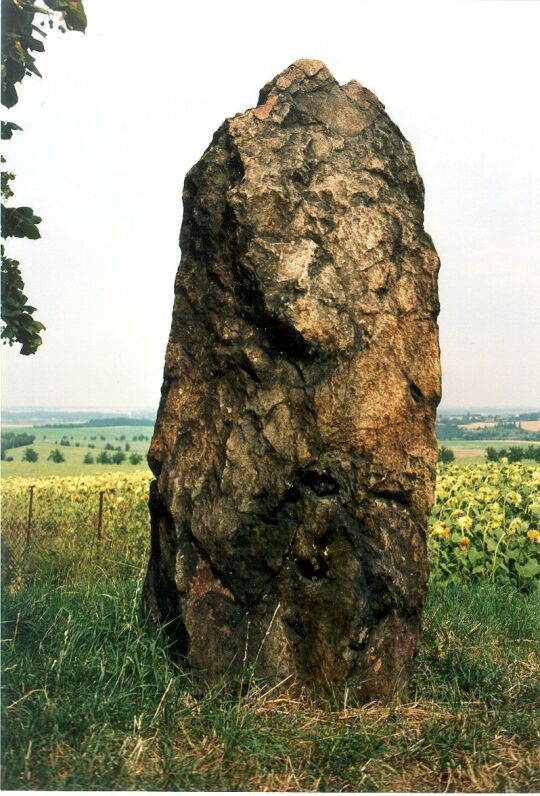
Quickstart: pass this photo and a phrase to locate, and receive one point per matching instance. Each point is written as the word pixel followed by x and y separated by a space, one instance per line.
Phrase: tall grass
pixel 92 700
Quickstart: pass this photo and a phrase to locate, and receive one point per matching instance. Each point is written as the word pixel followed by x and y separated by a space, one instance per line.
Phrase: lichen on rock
pixel 294 449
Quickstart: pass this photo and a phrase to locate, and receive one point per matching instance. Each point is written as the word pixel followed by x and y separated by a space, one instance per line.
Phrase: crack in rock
pixel 294 448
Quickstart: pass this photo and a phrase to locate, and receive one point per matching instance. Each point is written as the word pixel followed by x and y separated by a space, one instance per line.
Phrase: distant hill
pixel 102 422
pixel 55 417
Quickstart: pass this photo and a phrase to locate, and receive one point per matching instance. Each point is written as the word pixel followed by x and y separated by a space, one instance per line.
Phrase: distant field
pixel 474 450
pixel 526 425
pixel 530 425
pixel 472 426
pixel 48 439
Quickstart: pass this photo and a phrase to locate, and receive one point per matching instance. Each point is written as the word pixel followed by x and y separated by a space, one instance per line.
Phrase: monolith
pixel 294 451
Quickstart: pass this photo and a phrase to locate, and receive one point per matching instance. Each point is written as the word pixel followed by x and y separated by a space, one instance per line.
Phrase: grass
pixel 48 439
pixel 473 451
pixel 93 701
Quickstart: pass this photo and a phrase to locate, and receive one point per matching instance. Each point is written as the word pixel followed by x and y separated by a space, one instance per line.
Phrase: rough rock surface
pixel 294 450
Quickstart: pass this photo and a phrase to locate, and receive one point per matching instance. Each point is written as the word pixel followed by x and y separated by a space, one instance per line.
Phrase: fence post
pixel 29 521
pixel 100 515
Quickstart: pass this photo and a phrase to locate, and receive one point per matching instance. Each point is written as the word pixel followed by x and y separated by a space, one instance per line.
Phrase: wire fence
pixel 104 516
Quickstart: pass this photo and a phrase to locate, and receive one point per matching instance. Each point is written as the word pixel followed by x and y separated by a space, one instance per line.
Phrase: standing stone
pixel 294 449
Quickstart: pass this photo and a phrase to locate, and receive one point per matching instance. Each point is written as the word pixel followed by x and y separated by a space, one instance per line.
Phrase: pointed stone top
pixel 302 75
pixel 309 88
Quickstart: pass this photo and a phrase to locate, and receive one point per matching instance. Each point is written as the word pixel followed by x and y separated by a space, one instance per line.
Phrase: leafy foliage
pixel 30 455
pixel 486 525
pixel 514 454
pixel 20 39
pixel 19 325
pixel 10 439
pixel 56 456
pixel 446 455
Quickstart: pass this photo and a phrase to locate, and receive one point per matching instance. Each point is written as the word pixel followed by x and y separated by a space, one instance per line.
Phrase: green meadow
pixel 82 441
pixel 93 700
pixel 91 440
pixel 474 451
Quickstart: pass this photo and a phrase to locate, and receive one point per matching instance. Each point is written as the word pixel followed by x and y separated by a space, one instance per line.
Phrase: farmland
pixel 530 425
pixel 94 701
pixel 474 451
pixel 83 441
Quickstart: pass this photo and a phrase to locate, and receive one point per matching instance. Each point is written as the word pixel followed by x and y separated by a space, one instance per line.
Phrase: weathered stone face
pixel 294 450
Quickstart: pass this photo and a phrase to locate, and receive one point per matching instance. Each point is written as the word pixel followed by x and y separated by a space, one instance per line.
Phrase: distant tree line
pixel 102 422
pixel 529 416
pixel 11 439
pixel 514 454
pixel 104 457
pixel 504 429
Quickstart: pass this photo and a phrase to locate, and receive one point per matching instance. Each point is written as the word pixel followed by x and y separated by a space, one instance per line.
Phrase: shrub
pixel 446 455
pixel 56 456
pixel 135 458
pixel 516 454
pixel 88 459
pixel 30 455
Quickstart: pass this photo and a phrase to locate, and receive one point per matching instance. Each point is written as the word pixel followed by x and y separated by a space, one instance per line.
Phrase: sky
pixel 123 111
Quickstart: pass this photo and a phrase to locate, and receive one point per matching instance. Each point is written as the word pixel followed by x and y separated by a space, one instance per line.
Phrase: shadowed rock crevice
pixel 294 449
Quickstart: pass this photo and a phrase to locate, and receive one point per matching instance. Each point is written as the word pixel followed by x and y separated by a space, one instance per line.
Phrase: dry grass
pixel 93 702
pixel 323 753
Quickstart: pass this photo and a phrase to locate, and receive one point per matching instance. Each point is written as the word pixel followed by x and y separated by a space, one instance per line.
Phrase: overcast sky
pixel 123 111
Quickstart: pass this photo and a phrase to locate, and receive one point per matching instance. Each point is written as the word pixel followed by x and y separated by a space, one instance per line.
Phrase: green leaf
pixel 528 570
pixel 20 222
pixel 72 12
pixel 9 94
pixel 475 555
pixel 76 17
pixel 18 324
pixel 8 128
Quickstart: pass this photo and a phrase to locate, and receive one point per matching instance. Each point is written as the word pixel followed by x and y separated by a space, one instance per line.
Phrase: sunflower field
pixel 70 527
pixel 484 524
